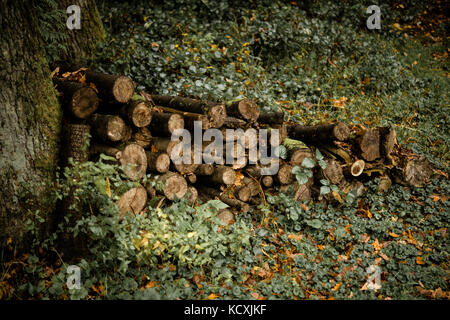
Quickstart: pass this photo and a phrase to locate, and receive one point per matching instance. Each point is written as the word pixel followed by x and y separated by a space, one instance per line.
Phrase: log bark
pixel 388 139
pixel 75 143
pixel 96 149
pixel 133 201
pixel 319 133
pixel 108 128
pixel 272 118
pixel 77 100
pixel 245 109
pixel 164 124
pixel 158 161
pixel 215 111
pixel 369 144
pixel 134 161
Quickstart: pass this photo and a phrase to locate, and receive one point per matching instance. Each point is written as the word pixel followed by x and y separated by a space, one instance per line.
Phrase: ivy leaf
pixel 325 182
pixel 308 163
pixel 322 164
pixel 315 223
pixel 296 170
pixel 302 178
pixel 217 204
pixel 324 190
pixel 319 155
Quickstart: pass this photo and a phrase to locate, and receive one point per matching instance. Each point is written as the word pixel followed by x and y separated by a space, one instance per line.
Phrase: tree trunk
pixel 30 118
pixel 81 44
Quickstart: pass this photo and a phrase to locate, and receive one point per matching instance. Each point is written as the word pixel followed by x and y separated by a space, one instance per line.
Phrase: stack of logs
pixel 136 130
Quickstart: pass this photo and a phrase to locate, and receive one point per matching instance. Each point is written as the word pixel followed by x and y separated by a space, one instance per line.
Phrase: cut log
pixel 134 161
pixel 272 118
pixel 234 123
pixel 226 216
pixel 252 185
pixel 369 144
pixel 172 185
pixel 133 201
pixel 108 127
pixel 191 178
pixel 333 172
pixel 96 149
pixel 189 118
pixel 223 175
pixel 384 184
pixel 162 144
pixel 164 124
pixel 111 88
pixel 243 193
pixel 77 100
pixel 355 169
pixel 142 137
pixel 158 161
pixel 319 133
pixel 388 139
pixel 267 181
pixel 245 109
pixel 216 112
pixel 192 194
pixel 204 170
pixel 75 143
pixel 137 112
pixel 412 170
pixel 285 175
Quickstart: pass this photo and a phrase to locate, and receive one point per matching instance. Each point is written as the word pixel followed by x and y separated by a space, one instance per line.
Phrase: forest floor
pixel 317 63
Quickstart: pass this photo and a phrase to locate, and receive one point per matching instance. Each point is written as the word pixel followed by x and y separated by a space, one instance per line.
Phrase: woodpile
pixel 136 129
